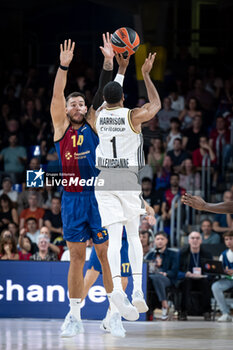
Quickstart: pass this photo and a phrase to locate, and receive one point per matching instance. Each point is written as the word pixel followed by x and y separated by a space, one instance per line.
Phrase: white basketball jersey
pixel 119 145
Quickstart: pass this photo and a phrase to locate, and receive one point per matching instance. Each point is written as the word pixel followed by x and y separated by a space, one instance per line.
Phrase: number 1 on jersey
pixel 113 140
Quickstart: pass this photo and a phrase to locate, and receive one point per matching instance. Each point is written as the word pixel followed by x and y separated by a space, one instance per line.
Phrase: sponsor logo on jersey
pixel 68 155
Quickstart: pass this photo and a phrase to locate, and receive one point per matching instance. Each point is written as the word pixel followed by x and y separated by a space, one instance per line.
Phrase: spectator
pixel 43 254
pixel 32 229
pixel 190 179
pixel 170 193
pixel 163 272
pixel 58 250
pixel 14 229
pixel 154 199
pixel 163 176
pixel 165 115
pixel 48 192
pixel 192 135
pixel 7 212
pixel 200 152
pixel 156 154
pixel 220 141
pixel 145 240
pixel 225 282
pixel 189 113
pixel 177 155
pixel 208 236
pixel 14 158
pixel 32 212
pixel 222 222
pixel 174 133
pixel 6 233
pixel 204 97
pixel 150 130
pixel 8 249
pixel 191 277
pixel 53 162
pixel 52 219
pixel 7 189
pixel 177 101
pixel 23 202
pixel 25 248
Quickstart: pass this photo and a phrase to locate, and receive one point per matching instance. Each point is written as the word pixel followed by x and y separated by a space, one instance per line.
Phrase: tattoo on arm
pixel 108 65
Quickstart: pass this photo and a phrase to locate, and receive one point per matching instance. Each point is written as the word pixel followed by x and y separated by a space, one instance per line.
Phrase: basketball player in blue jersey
pixel 75 143
pixel 119 157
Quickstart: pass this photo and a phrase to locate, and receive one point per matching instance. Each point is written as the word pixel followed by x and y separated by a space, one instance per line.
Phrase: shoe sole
pixel 129 312
pixel 140 305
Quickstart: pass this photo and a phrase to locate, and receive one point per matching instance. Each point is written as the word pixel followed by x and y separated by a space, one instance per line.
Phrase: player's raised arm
pixel 149 110
pixel 198 203
pixel 58 103
pixel 105 77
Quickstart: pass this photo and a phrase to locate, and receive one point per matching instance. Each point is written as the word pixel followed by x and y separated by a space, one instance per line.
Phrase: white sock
pixel 135 252
pixel 113 309
pixel 114 257
pixel 75 307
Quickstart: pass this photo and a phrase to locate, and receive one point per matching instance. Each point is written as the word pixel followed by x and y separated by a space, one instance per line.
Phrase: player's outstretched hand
pixel 148 64
pixel 107 49
pixel 122 62
pixel 195 202
pixel 66 52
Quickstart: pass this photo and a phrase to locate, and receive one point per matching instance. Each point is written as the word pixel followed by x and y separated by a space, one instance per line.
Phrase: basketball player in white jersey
pixel 119 156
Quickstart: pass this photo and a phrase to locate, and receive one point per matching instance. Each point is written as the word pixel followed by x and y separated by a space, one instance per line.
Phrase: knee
pixel 102 253
pixel 77 256
pixel 215 287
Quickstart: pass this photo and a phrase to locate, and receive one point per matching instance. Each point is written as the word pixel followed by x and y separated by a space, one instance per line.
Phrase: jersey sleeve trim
pixel 63 135
pixel 130 123
pixel 86 122
pixel 112 108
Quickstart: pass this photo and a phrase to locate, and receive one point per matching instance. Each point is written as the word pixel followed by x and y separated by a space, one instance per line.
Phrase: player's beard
pixel 76 121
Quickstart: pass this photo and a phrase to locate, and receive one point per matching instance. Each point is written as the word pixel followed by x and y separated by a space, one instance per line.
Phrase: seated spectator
pixel 43 254
pixel 204 98
pixel 52 159
pixel 208 236
pixel 187 115
pixel 52 219
pixel 190 179
pixel 25 248
pixel 163 177
pixel 150 130
pixel 191 278
pixel 165 115
pixel 14 229
pixel 32 230
pixel 6 233
pixel 7 212
pixel 58 250
pixel 177 101
pixel 153 198
pixel 169 194
pixel 14 158
pixel 23 198
pixel 173 134
pixel 177 155
pixel 163 272
pixel 156 155
pixel 48 192
pixel 222 222
pixel 191 137
pixel 8 248
pixel 199 153
pixel 220 141
pixel 32 212
pixel 145 240
pixel 225 282
pixel 7 189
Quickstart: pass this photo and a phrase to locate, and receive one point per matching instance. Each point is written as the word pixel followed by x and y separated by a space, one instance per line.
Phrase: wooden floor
pixel 37 334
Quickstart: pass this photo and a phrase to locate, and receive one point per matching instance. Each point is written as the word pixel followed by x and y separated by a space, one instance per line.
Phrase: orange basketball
pixel 126 41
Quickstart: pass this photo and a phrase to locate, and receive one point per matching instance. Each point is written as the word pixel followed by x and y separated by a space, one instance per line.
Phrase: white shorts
pixel 119 206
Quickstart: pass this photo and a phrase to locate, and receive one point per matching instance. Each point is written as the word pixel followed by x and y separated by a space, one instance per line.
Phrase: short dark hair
pixel 228 234
pixel 174 120
pixel 175 174
pixel 177 139
pixel 161 233
pixel 31 218
pixel 211 223
pixel 146 179
pixel 112 92
pixel 75 94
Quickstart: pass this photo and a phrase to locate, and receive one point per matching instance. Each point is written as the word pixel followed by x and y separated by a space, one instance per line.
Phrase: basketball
pixel 125 41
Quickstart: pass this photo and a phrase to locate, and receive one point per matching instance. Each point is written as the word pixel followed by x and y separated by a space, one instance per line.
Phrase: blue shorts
pixel 81 218
pixel 125 265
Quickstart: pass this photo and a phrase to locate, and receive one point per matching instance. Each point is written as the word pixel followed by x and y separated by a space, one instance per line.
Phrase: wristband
pixel 63 67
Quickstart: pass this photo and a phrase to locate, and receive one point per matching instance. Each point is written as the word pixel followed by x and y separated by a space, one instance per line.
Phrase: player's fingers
pixel 108 39
pixel 104 39
pixel 61 47
pixel 68 45
pixel 65 45
pixel 102 49
pixel 73 46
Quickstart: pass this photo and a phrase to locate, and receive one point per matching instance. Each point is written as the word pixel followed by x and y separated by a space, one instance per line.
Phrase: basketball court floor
pixel 39 334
